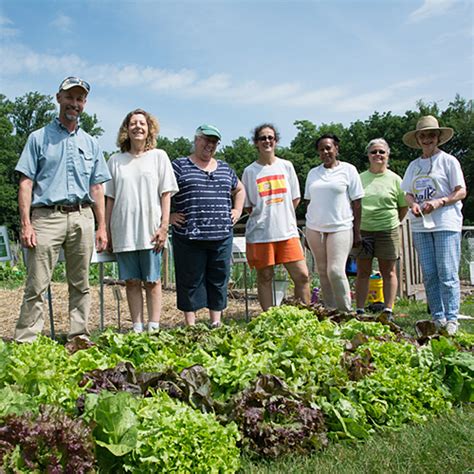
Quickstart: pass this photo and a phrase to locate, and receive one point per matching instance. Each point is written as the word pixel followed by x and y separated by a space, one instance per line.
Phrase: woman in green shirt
pixel 383 208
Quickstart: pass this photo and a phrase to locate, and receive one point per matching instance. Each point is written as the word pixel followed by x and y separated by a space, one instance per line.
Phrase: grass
pixel 408 312
pixel 442 445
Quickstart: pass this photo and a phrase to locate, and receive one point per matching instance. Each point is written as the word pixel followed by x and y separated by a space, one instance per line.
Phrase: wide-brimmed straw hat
pixel 427 122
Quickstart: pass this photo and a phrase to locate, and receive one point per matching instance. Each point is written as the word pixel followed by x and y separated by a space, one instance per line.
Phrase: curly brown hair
pixel 123 140
pixel 256 131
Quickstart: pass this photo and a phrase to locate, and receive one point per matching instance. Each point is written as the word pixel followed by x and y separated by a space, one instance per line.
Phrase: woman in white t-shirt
pixel 137 213
pixel 334 191
pixel 435 186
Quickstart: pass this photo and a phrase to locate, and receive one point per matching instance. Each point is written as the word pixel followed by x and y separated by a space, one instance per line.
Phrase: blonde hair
pixel 123 140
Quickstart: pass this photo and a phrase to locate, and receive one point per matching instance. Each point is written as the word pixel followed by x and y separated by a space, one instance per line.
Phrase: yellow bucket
pixel 375 289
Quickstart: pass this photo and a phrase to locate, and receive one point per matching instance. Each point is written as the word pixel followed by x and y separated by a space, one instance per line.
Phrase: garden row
pixel 192 399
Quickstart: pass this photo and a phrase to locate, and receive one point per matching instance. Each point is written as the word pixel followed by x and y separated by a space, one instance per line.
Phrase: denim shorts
pixel 144 265
pixel 202 269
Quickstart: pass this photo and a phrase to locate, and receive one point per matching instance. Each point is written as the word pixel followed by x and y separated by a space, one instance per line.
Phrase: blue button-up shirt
pixel 62 165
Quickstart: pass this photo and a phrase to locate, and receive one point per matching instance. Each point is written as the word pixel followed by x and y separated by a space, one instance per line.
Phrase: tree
pixel 460 116
pixel 304 142
pixel 175 148
pixel 90 124
pixel 17 120
pixel 30 112
pixel 239 155
pixel 8 158
pixel 388 126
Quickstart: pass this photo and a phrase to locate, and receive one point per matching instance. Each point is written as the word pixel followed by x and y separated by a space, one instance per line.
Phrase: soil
pixel 10 301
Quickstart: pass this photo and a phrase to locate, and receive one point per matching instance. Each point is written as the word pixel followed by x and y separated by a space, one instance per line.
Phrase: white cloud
pixel 132 75
pixel 379 99
pixel 17 59
pixel 458 33
pixel 221 87
pixel 5 21
pixel 186 83
pixel 63 23
pixel 318 97
pixel 429 9
pixel 7 31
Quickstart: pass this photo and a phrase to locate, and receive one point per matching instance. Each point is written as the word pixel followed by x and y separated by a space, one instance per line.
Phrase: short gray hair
pixel 377 141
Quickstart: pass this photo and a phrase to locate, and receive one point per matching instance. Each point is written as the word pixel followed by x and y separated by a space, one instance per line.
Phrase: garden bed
pixel 195 399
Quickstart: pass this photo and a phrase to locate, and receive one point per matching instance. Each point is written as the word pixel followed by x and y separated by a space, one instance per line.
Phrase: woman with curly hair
pixel 137 212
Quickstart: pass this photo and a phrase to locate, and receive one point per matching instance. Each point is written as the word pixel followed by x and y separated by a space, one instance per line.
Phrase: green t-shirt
pixel 383 197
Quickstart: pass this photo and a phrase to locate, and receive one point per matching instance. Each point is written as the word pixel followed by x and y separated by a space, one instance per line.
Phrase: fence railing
pixel 410 279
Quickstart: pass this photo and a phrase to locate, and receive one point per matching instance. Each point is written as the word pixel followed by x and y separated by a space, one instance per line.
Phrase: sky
pixel 236 64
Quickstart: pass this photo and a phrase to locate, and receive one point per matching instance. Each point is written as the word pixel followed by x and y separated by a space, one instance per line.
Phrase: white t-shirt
pixel 136 186
pixel 270 191
pixel 435 178
pixel 330 192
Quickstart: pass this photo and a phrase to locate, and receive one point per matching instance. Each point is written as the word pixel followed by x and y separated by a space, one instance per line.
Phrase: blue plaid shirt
pixel 62 165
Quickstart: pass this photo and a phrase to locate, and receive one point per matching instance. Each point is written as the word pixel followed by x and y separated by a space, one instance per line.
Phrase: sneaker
pixel 451 328
pixel 388 314
pixel 439 323
pixel 153 326
pixel 137 328
pixel 216 324
pixel 360 311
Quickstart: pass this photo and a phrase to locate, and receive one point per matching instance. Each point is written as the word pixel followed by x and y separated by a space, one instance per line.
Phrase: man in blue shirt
pixel 62 170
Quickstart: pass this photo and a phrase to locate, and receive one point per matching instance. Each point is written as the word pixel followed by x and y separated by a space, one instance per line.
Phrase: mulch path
pixel 10 301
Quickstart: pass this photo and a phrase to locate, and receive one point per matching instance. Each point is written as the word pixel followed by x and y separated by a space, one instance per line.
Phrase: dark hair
pixel 259 128
pixel 331 136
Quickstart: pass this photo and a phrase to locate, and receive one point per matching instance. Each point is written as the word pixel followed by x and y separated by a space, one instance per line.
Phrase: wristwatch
pixel 444 201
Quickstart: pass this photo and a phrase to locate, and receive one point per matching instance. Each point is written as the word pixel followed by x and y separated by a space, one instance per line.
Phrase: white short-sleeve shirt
pixel 136 186
pixel 330 192
pixel 434 178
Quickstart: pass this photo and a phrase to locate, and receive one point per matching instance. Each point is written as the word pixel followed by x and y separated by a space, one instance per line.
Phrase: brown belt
pixel 65 208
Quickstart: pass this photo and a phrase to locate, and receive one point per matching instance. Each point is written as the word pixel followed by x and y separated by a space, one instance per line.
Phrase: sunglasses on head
pixel 74 81
pixel 264 138
pixel 380 152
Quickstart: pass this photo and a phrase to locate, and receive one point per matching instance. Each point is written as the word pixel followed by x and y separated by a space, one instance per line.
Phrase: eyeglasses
pixel 212 140
pixel 264 138
pixel 72 82
pixel 380 152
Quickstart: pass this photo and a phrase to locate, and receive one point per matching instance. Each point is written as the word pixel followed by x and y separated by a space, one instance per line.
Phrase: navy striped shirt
pixel 205 198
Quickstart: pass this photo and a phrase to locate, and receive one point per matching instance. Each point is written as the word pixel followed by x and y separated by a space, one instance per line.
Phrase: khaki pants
pixel 74 232
pixel 330 250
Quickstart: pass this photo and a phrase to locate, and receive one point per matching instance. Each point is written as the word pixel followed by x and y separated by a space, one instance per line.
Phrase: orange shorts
pixel 267 254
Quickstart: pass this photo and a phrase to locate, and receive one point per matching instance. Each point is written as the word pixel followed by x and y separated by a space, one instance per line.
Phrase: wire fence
pixel 238 268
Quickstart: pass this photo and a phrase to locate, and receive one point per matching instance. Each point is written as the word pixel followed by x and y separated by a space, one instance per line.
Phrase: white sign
pixel 5 253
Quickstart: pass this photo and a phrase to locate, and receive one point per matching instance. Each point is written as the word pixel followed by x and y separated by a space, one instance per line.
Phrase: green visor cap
pixel 208 130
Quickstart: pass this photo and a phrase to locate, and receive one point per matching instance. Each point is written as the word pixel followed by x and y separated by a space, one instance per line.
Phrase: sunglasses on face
pixel 380 152
pixel 264 138
pixel 75 81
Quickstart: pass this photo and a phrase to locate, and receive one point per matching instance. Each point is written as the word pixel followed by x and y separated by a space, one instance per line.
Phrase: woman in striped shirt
pixel 208 204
